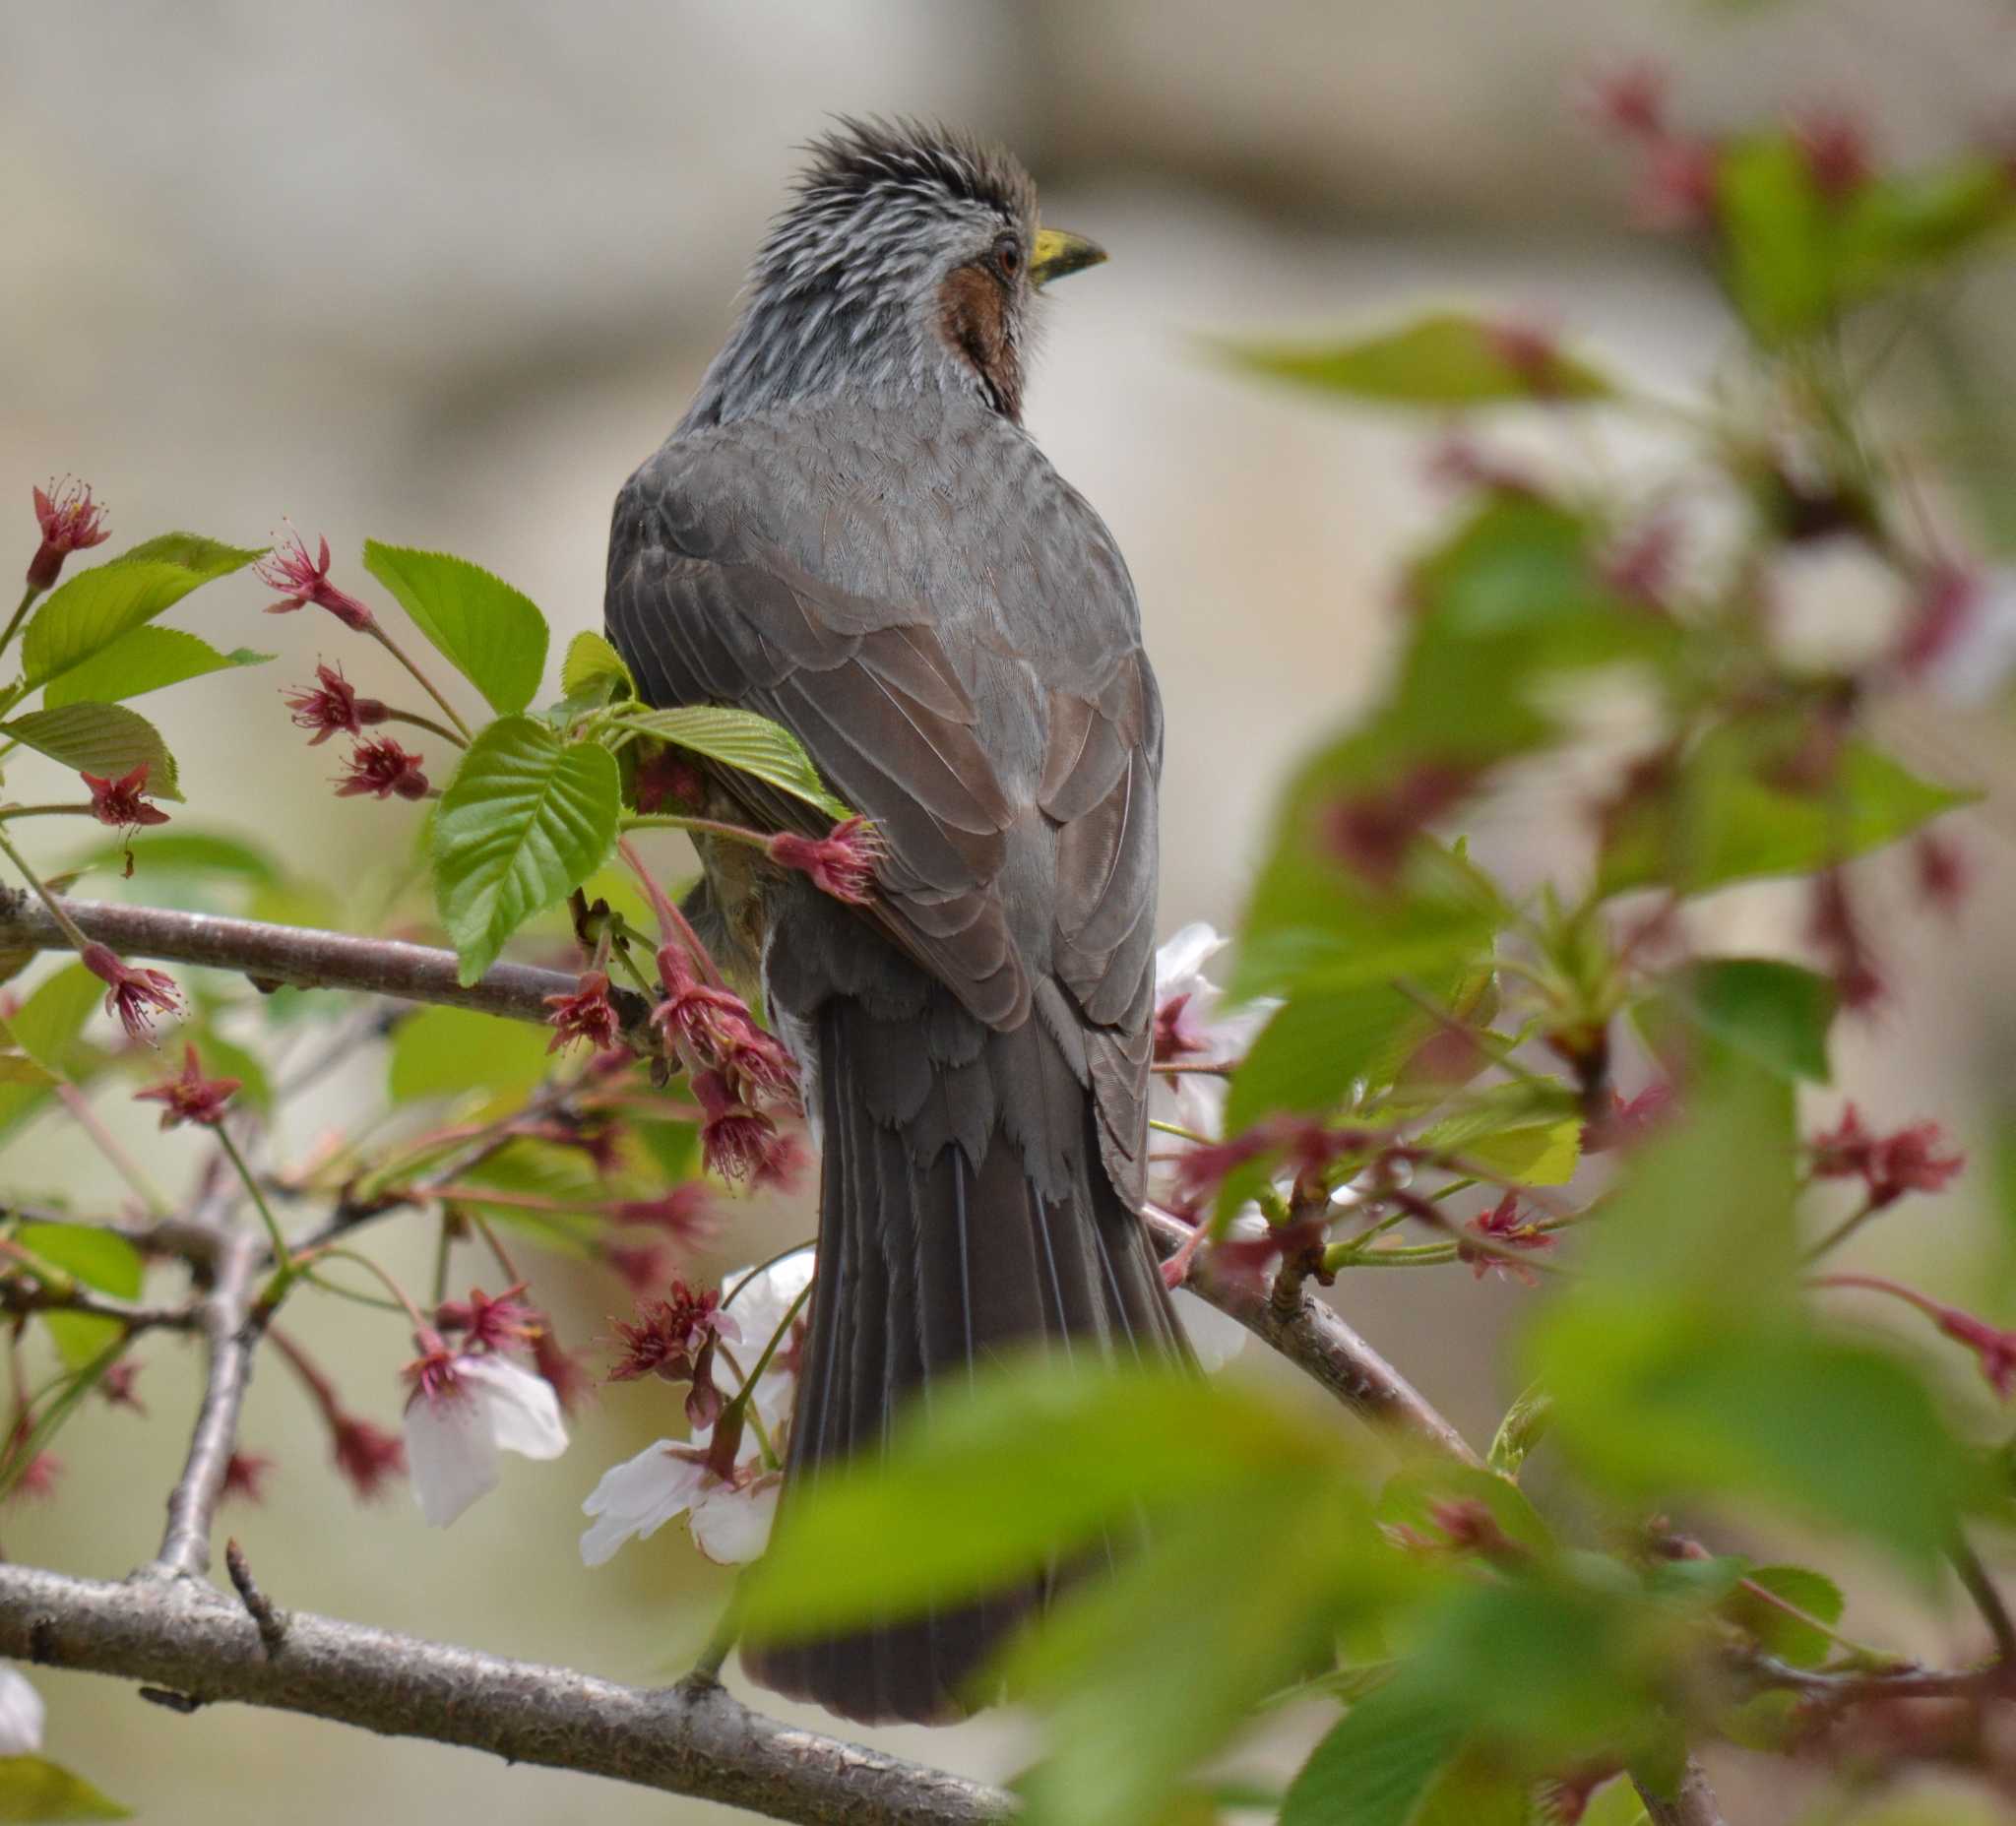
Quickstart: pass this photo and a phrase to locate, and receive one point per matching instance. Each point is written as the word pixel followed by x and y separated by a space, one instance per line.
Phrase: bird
pixel 851 533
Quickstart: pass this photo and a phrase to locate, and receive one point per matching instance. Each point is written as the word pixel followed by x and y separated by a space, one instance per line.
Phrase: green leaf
pixel 1791 1638
pixel 34 1789
pixel 743 741
pixel 593 669
pixel 106 740
pixel 489 632
pixel 1734 822
pixel 1121 1654
pixel 1661 1403
pixel 93 608
pixel 523 821
pixel 1313 1050
pixel 1443 359
pixel 1472 1792
pixel 1526 1153
pixel 193 853
pixel 1777 236
pixel 1774 1013
pixel 993 1479
pixel 1376 1765
pixel 99 1260
pixel 145 660
pixel 97 1257
pixel 449 1051
pixel 17 1068
pixel 1615 1803
pixel 48 1025
pixel 1415 1492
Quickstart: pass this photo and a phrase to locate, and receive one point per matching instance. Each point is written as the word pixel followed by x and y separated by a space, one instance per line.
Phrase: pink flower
pixel 1914 1158
pixel 1942 873
pixel 333 707
pixel 644 1268
pixel 70 521
pixel 117 1390
pixel 735 1141
pixel 135 995
pixel 463 1413
pixel 1373 830
pixel 500 1324
pixel 586 1015
pixel 1503 1227
pixel 1993 1348
pixel 190 1097
pixel 684 1213
pixel 562 1369
pixel 841 863
pixel 245 1474
pixel 1835 145
pixel 366 1454
pixel 675 1339
pixel 1532 353
pixel 122 802
pixel 382 768
pixel 1631 99
pixel 303 579
pixel 1677 187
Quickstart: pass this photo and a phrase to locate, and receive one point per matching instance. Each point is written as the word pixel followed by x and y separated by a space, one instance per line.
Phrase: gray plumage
pixel 851 533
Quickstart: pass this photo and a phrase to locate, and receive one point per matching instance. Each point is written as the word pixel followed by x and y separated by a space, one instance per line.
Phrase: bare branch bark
pixel 1313 1338
pixel 185 1638
pixel 231 1335
pixel 301 956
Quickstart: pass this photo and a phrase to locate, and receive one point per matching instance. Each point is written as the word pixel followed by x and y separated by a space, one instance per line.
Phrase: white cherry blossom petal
pixel 731 1527
pixel 521 1409
pixel 450 1453
pixel 21 1714
pixel 638 1497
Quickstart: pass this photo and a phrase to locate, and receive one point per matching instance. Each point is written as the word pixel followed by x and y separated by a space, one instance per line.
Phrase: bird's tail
pixel 934 1258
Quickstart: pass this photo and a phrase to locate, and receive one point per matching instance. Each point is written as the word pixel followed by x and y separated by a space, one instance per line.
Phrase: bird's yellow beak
pixel 1057 253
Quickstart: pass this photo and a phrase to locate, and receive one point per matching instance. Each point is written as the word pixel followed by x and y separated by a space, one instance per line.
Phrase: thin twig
pixel 703 1742
pixel 271 1619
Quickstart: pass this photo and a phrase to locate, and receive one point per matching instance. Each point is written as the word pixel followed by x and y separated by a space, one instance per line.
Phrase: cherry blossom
pixel 463 1413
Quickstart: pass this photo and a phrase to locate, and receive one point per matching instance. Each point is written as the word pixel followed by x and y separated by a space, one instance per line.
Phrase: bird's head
pixel 911 256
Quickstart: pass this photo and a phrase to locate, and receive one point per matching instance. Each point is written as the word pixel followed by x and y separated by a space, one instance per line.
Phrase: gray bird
pixel 851 533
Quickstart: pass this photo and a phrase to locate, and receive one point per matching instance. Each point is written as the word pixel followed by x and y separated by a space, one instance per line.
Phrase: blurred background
pixel 443 274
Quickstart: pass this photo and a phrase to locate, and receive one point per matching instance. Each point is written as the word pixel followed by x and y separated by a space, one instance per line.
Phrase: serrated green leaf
pixel 144 659
pixel 106 740
pixel 93 608
pixel 1376 1765
pixel 34 1789
pixel 489 632
pixel 741 739
pixel 451 1051
pixel 525 820
pixel 1443 359
pixel 593 668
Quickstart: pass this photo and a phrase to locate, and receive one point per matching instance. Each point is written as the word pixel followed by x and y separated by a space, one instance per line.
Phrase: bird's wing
pixel 708 609
pixel 707 612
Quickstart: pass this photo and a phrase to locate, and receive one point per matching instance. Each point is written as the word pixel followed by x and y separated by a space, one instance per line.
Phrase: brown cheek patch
pixel 973 319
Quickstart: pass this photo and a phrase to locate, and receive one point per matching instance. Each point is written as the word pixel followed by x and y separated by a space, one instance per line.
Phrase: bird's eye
pixel 1007 256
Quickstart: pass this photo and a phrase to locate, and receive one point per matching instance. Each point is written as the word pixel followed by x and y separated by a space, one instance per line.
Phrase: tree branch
pixel 188 1639
pixel 1313 1338
pixel 302 956
pixel 230 1332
